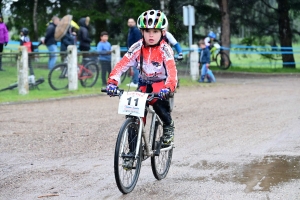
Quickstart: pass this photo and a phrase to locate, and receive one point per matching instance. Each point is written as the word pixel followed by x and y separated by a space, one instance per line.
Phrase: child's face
pixel 202 46
pixel 104 38
pixel 152 36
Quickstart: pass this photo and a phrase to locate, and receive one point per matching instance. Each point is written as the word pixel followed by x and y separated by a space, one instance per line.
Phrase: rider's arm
pixel 171 81
pixel 178 48
pixel 173 42
pixel 128 60
pixel 207 41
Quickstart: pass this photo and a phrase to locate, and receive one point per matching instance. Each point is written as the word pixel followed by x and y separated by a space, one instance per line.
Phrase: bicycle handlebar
pixel 151 96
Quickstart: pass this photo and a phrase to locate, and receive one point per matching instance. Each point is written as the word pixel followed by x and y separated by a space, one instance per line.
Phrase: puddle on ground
pixel 272 170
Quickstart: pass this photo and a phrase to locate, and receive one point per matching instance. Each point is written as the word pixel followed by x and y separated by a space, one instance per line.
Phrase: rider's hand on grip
pixel 164 93
pixel 180 56
pixel 111 89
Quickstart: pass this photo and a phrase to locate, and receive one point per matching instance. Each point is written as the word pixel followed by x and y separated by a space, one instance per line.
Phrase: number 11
pixel 136 101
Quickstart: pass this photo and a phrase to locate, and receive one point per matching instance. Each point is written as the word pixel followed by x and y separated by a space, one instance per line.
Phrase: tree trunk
pixel 35 26
pixel 285 34
pixel 225 25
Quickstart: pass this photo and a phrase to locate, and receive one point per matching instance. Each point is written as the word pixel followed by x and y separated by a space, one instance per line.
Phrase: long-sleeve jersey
pixel 158 64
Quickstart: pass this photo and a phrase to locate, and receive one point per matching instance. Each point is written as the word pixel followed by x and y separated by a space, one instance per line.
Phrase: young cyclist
pixel 155 60
pixel 209 40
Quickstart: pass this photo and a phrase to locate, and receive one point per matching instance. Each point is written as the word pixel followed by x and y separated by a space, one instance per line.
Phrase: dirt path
pixel 236 139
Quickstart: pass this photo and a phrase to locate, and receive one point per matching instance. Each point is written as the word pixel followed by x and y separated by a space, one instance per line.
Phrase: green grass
pixel 45 91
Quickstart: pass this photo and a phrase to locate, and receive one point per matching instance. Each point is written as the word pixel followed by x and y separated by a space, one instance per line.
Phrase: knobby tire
pixel 223 61
pixel 160 164
pixel 126 179
pixel 57 77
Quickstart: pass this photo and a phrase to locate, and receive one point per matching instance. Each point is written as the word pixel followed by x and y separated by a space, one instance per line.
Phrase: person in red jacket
pixel 158 72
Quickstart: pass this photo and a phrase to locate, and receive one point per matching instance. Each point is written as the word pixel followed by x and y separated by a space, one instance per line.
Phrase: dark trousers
pixel 105 71
pixel 1 50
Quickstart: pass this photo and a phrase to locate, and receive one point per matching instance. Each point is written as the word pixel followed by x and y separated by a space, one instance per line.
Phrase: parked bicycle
pixel 220 57
pixel 32 85
pixel 133 145
pixel 87 74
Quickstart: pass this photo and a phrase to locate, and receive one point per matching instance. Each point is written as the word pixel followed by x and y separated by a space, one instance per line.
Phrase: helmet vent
pixel 152 12
pixel 150 22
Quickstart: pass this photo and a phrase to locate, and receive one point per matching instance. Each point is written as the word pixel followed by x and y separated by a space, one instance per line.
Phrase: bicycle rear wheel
pixel 58 77
pixel 222 60
pixel 126 166
pixel 161 161
pixel 89 77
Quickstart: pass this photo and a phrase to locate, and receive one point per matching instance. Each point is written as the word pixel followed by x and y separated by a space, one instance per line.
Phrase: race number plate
pixel 133 103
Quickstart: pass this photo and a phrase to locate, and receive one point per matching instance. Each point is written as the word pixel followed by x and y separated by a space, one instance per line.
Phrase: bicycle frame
pixel 142 133
pixel 83 69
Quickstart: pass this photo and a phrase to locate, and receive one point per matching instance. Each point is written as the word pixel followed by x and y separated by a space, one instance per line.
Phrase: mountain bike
pixel 87 74
pixel 133 145
pixel 220 57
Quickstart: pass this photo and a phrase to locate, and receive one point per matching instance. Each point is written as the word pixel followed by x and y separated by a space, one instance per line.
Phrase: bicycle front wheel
pixel 126 166
pixel 223 61
pixel 89 76
pixel 161 161
pixel 58 77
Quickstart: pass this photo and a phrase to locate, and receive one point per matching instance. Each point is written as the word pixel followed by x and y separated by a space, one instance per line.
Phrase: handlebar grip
pixel 103 90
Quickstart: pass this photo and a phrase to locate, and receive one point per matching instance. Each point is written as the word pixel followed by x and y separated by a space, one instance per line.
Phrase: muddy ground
pixel 236 139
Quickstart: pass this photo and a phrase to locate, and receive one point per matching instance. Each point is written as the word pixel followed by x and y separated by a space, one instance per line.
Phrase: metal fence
pixel 240 55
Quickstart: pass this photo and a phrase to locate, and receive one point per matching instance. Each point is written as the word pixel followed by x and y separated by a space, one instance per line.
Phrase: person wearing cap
pixel 3 38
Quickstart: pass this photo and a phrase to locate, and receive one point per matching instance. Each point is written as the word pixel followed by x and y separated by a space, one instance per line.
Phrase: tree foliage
pixel 258 19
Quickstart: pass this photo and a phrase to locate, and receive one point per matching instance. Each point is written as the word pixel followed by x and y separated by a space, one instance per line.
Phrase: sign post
pixel 189 20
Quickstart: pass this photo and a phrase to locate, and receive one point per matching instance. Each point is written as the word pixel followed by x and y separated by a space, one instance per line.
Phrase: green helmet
pixel 152 19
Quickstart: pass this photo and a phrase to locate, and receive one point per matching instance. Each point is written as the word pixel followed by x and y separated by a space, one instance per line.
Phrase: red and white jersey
pixel 158 64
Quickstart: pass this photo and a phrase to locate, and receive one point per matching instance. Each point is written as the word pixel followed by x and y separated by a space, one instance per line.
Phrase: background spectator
pixel 66 40
pixel 3 38
pixel 104 49
pixel 50 41
pixel 134 35
pixel 25 41
pixel 83 37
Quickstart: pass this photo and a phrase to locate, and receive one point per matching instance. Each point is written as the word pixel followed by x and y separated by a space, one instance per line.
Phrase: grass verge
pixel 45 92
